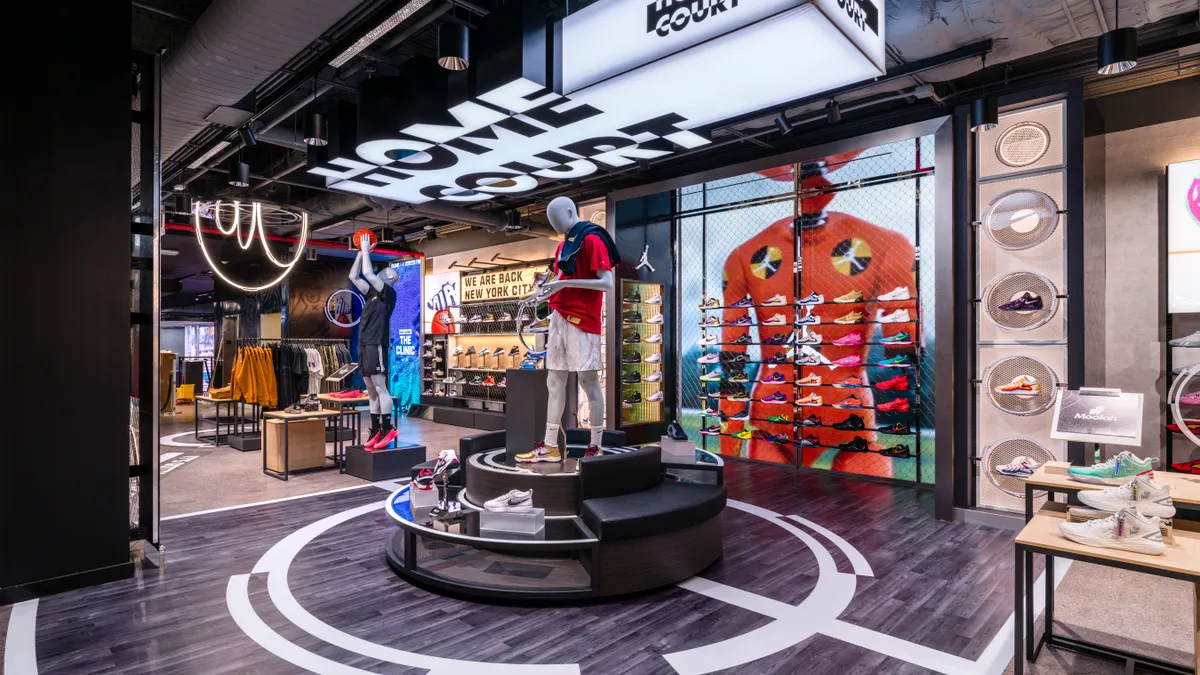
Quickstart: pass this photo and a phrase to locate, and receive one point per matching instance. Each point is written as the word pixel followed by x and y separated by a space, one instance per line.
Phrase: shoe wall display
pixel 643 323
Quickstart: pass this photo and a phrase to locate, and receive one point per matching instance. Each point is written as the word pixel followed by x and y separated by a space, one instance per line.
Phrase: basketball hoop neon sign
pixel 233 226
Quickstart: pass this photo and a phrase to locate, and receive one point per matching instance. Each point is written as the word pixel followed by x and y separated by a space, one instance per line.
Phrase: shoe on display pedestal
pixel 1020 467
pixel 1021 385
pixel 1116 471
pixel 540 453
pixel 514 501
pixel 675 431
pixel 1125 530
pixel 1142 493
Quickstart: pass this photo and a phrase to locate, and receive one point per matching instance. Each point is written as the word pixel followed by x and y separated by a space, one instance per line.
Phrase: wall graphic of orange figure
pixel 841 254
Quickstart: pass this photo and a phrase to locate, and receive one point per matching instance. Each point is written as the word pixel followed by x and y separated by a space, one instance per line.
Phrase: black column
pixel 64 486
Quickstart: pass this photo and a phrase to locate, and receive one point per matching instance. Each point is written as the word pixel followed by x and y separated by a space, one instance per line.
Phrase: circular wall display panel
pixel 1020 219
pixel 1006 450
pixel 1020 301
pixel 1020 385
pixel 1022 144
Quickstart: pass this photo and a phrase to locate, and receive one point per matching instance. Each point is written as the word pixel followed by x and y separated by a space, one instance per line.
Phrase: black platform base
pixel 245 442
pixel 469 417
pixel 346 433
pixel 387 464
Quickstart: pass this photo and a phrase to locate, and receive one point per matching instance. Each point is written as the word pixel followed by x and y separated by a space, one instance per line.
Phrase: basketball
pixel 358 235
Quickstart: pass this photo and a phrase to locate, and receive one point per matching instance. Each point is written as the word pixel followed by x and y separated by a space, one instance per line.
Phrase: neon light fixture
pixel 234 227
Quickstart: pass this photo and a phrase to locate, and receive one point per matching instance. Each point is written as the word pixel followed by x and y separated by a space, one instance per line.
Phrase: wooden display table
pixel 231 421
pixel 283 455
pixel 346 406
pixel 1052 478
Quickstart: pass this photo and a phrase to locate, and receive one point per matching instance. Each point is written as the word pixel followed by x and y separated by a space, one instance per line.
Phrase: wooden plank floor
pixel 946 586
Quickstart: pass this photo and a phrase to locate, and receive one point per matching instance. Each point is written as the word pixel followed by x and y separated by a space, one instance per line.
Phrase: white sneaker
pixel 656 319
pixel 776 300
pixel 809 319
pixel 809 339
pixel 656 300
pixel 1192 340
pixel 710 340
pixel 656 358
pixel 655 397
pixel 897 293
pixel 654 339
pixel 1021 466
pixel 514 501
pixel 1125 530
pixel 656 376
pixel 457 350
pixel 898 316
pixel 777 320
pixel 707 358
pixel 1142 493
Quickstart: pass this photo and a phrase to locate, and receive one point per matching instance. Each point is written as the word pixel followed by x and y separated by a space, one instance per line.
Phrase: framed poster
pixel 1098 416
pixel 1183 237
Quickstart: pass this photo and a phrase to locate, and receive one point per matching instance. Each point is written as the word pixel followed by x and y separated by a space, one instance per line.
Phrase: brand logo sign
pixel 504 285
pixel 863 13
pixel 666 16
pixel 1098 415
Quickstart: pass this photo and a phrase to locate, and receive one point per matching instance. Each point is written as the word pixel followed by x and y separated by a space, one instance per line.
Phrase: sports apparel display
pixel 1125 530
pixel 513 501
pixel 1115 471
pixel 1142 494
pixel 1021 385
pixel 1021 466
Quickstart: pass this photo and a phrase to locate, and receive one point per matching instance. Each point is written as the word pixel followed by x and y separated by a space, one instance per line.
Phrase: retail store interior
pixel 504 337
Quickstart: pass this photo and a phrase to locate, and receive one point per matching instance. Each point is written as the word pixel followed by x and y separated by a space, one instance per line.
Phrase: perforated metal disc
pixel 1003 371
pixel 1006 450
pixel 1020 219
pixel 1008 287
pixel 1022 144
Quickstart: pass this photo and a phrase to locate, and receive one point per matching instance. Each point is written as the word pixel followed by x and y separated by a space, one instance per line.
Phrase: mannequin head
pixel 388 275
pixel 562 214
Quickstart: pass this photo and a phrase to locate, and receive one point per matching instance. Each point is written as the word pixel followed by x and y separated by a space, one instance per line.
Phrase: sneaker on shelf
pixel 633 297
pixel 898 316
pixel 1192 467
pixel 654 358
pixel 489 317
pixel 1115 471
pixel 710 321
pixel 711 430
pixel 1190 399
pixel 739 397
pixel 654 339
pixel 460 379
pixel 449 380
pixel 457 350
pixel 1021 385
pixel 813 420
pixel 452 392
pixel 850 318
pixel 852 361
pixel 746 301
pixel 675 431
pixel 478 318
pixel 540 453
pixel 808 360
pixel 895 405
pixel 654 300
pixel 810 380
pixel 714 376
pixel 505 316
pixel 897 293
pixel 1125 530
pixel 778 339
pixel 503 381
pixel 486 351
pixel 744 434
pixel 632 317
pixel 1022 467
pixel 631 357
pixel 900 361
pixel 1142 493
pixel 742 321
pixel 631 378
pixel 810 400
pixel 427 354
pixel 849 402
pixel 809 441
pixel 711 303
pixel 777 300
pixel 743 339
pixel 539 326
pixel 895 383
pixel 856 444
pixel 1026 302
pixel 776 320
pixel 900 451
pixel 852 296
pixel 852 382
pixel 1192 340
pixel 738 378
pixel 632 338
pixel 655 397
pixel 709 340
pixel 476 380
pixel 778 358
pixel 655 320
pixel 513 501
pixel 709 358
pixel 773 378
pixel 489 381
pixel 631 399
pixel 427 392
pixel 809 319
pixel 849 340
pixel 851 423
pixel 901 338
pixel 780 419
pixel 470 350
pixel 777 397
pixel 427 343
pixel 656 376
pixel 1192 425
pixel 811 299
pixel 782 439
pixel 897 429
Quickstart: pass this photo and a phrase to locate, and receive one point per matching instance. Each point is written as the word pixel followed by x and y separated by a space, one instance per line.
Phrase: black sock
pixel 387 423
pixel 374 424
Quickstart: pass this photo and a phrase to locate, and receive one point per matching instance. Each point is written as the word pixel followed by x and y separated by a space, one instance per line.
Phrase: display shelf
pixel 881 453
pixel 876 430
pixel 644 412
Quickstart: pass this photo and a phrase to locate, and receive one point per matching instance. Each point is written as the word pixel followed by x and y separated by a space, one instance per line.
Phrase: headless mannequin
pixel 563 215
pixel 376 384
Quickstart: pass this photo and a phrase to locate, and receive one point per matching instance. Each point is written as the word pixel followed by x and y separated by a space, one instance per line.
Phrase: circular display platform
pixel 555 485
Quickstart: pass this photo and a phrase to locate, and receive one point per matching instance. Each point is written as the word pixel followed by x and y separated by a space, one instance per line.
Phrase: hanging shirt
pixel 316 370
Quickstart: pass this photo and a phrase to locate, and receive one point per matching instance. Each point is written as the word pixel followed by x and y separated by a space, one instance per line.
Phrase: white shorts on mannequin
pixel 569 348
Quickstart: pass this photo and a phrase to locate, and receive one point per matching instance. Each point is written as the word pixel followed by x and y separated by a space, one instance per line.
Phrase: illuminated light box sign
pixel 1183 237
pixel 632 94
pixel 501 285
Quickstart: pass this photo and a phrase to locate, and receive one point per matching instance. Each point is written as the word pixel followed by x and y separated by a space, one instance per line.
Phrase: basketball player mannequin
pixel 374 341
pixel 563 216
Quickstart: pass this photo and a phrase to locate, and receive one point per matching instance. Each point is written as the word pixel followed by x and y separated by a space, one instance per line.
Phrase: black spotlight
pixel 316 130
pixel 833 112
pixel 453 46
pixel 1117 51
pixel 239 174
pixel 247 136
pixel 781 123
pixel 985 113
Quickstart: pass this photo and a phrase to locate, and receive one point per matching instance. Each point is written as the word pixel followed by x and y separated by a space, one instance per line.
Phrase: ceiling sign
pixel 501 285
pixel 639 77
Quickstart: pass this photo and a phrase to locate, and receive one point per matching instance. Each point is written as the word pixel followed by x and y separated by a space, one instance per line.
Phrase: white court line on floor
pixel 20 645
pixel 389 485
pixel 168 456
pixel 861 567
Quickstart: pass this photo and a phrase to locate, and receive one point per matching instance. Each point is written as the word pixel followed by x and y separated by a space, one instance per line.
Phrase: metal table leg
pixel 1018 611
pixel 1048 628
pixel 1028 613
pixel 287 465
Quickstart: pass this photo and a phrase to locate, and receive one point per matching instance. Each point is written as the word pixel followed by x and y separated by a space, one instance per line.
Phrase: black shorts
pixel 372 360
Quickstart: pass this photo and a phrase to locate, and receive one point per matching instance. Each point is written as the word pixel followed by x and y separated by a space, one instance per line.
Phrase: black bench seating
pixel 491 440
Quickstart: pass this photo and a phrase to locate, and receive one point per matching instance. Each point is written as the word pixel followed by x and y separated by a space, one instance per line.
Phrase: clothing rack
pixel 302 341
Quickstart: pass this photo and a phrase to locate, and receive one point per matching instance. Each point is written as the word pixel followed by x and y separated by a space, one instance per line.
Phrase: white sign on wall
pixel 1183 237
pixel 440 307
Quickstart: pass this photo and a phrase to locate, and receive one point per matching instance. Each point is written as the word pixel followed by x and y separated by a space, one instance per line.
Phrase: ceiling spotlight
pixel 316 130
pixel 453 46
pixel 833 112
pixel 310 254
pixel 430 232
pixel 985 113
pixel 781 122
pixel 1117 49
pixel 179 187
pixel 247 136
pixel 239 174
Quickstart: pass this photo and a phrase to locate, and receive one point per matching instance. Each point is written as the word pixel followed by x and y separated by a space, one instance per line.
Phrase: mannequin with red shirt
pixel 576 298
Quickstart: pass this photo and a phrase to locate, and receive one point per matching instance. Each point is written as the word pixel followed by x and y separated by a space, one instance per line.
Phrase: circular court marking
pixel 170 441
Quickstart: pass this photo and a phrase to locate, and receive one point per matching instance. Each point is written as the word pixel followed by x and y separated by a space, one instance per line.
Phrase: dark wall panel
pixel 64 488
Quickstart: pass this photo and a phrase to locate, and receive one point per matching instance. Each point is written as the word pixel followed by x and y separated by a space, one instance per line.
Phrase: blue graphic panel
pixel 405 358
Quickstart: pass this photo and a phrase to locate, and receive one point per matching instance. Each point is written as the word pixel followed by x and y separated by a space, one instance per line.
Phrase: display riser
pixel 386 464
pixel 346 434
pixel 248 442
pixel 470 418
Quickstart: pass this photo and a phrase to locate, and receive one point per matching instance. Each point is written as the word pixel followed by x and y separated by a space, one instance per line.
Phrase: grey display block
pixel 528 525
pixel 526 410
pixel 245 442
pixel 677 452
pixel 375 465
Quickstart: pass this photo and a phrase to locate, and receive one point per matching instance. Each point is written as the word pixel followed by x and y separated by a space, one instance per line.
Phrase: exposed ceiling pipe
pixel 288 169
pixel 325 89
pixel 281 138
pixel 494 222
